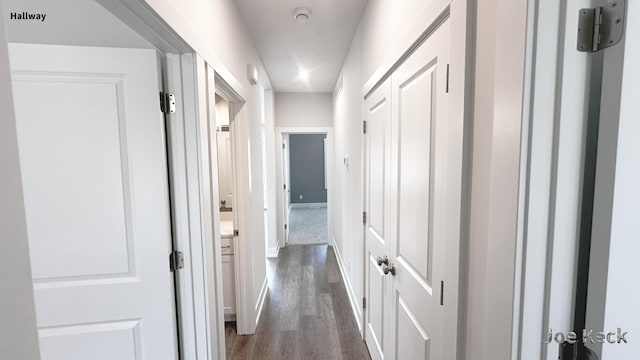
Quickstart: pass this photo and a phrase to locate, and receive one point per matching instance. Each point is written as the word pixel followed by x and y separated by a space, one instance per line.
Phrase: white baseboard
pixel 261 299
pixel 272 252
pixel 355 303
pixel 307 205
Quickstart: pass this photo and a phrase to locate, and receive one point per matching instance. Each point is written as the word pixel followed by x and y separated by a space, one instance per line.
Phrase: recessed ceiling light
pixel 302 14
pixel 303 74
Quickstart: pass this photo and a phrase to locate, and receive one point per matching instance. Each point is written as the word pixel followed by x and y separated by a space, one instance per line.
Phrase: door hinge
pixel 364 303
pixel 176 260
pixel 447 86
pixel 285 186
pixel 601 27
pixel 364 218
pixel 442 292
pixel 167 103
pixel 236 232
pixel 364 127
pixel 283 145
pixel 285 226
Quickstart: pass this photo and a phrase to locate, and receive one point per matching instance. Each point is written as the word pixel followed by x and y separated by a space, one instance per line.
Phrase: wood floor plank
pixel 307 313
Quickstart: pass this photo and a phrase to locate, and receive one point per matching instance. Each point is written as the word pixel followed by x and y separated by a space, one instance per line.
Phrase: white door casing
pixel 93 163
pixel 287 184
pixel 376 199
pixel 422 193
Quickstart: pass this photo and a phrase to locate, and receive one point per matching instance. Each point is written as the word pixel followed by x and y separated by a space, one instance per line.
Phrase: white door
pixel 287 186
pixel 412 202
pixel 376 201
pixel 425 193
pixel 92 153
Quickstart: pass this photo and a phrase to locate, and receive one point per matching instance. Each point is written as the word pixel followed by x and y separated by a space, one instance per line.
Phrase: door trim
pixel 246 313
pixel 199 307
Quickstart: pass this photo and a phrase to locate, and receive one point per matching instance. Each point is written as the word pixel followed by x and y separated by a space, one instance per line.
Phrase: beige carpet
pixel 308 225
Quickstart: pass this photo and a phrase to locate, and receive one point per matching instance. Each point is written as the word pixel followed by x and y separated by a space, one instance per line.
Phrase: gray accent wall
pixel 306 164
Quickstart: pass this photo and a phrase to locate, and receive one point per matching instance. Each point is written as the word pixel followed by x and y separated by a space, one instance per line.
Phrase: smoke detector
pixel 302 14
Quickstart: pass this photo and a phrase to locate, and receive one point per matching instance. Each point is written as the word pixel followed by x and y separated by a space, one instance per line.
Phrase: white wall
pixel 347 227
pixel 70 22
pixel 18 334
pixel 274 192
pixel 303 110
pixel 383 24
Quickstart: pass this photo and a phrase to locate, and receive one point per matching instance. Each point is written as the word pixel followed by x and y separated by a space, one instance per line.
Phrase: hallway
pixel 307 312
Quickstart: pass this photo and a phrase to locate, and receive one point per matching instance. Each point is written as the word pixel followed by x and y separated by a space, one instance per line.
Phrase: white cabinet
pixel 228 271
pixel 229 287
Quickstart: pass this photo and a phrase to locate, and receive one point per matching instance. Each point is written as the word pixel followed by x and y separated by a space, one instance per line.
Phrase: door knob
pixel 383 260
pixel 389 269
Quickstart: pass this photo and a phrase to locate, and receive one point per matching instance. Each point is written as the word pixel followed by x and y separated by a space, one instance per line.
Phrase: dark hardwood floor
pixel 306 315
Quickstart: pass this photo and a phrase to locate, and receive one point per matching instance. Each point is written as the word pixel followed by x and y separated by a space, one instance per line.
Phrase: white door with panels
pixel 94 172
pixel 420 209
pixel 377 228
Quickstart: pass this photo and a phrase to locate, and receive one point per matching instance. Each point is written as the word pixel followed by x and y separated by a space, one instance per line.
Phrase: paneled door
pixel 377 229
pixel 94 172
pixel 425 206
pixel 413 159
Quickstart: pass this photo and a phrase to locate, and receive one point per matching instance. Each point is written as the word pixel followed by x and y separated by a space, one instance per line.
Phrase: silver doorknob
pixel 389 269
pixel 383 260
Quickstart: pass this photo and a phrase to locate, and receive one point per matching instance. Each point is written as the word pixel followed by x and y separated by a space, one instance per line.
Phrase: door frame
pixel 280 131
pixel 286 192
pixel 199 305
pixel 245 316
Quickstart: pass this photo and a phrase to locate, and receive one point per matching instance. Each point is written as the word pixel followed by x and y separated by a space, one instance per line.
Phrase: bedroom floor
pixel 308 225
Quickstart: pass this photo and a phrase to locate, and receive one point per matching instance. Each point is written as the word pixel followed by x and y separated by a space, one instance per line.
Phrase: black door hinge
pixel 176 260
pixel 364 127
pixel 364 303
pixel 364 218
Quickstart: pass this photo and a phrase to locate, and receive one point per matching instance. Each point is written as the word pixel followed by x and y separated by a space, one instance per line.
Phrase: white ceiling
pixel 318 46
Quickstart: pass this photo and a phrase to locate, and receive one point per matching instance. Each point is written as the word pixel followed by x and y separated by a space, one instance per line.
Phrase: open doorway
pixel 304 170
pixel 226 206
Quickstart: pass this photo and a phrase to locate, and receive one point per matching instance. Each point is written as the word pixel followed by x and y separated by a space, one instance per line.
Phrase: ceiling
pixel 286 46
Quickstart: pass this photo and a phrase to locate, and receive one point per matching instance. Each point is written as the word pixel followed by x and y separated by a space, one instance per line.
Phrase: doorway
pixel 303 167
pixel 226 185
pixel 307 188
